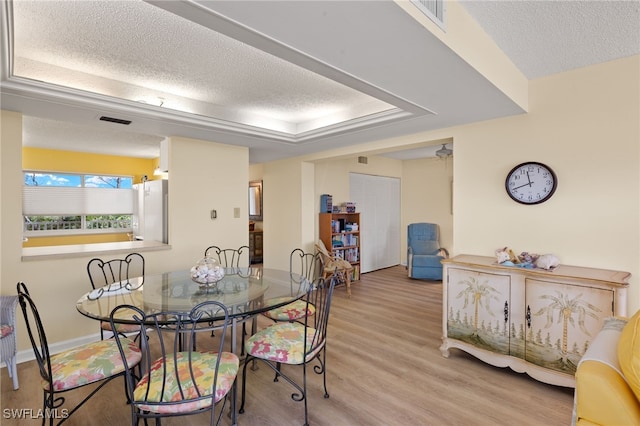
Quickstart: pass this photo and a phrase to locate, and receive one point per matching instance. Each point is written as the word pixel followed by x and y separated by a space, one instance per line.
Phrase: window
pixel 65 204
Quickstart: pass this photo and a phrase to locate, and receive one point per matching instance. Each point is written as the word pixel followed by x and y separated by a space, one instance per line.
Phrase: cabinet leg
pixel 444 350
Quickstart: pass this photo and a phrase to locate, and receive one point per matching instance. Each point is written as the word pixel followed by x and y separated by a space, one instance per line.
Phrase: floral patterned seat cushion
pixel 291 312
pixel 5 330
pixel 203 364
pixel 282 342
pixel 90 363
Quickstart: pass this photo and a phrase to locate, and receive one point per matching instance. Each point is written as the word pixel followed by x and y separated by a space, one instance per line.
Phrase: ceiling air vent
pixel 115 120
pixel 434 9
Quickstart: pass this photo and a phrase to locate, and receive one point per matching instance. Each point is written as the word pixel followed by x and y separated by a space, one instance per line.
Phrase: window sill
pixel 81 250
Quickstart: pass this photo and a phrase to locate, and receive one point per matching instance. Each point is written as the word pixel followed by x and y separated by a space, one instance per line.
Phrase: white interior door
pixel 377 200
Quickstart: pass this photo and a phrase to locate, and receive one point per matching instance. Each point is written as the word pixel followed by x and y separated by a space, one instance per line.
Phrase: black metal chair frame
pixel 307 265
pixel 52 403
pixel 320 294
pixel 228 258
pixel 178 337
pixel 104 272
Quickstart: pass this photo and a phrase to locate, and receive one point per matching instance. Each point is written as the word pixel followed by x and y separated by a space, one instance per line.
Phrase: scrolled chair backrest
pixel 172 335
pixel 304 265
pixel 229 257
pixel 106 272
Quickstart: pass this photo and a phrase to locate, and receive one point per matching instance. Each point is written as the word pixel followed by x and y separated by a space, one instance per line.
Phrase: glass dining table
pixel 246 292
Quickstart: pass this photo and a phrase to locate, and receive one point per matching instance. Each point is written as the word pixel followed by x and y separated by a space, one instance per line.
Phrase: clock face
pixel 531 183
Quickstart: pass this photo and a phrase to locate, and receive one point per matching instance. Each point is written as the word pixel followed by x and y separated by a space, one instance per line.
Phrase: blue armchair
pixel 424 253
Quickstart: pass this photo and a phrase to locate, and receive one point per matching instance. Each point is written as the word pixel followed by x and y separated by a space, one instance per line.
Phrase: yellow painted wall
pixel 75 239
pixel 82 162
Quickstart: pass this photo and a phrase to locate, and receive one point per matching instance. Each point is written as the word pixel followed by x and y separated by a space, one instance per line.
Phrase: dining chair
pixel 177 379
pixel 8 336
pixel 228 258
pixel 295 343
pixel 302 265
pixel 73 368
pixel 333 265
pixel 105 272
pixel 307 266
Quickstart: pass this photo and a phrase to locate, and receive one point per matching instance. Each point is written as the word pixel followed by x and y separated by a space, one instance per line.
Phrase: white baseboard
pixel 27 354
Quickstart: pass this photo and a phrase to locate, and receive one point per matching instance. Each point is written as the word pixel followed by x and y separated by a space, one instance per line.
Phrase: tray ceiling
pixel 283 78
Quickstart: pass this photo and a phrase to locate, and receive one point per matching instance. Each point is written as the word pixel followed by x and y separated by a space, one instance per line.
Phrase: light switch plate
pixel 236 212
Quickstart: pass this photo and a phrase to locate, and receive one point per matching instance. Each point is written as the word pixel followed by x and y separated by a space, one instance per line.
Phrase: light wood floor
pixel 384 368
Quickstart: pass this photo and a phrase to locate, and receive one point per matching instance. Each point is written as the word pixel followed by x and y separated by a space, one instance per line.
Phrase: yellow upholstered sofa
pixel 608 376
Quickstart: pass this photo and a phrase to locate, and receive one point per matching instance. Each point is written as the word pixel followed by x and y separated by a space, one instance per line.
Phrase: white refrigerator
pixel 149 221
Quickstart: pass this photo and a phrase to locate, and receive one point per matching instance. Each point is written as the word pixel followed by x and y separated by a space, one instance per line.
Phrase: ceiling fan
pixel 444 152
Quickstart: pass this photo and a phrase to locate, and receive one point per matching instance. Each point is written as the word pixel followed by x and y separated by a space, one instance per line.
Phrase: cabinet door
pixel 258 245
pixel 478 309
pixel 562 320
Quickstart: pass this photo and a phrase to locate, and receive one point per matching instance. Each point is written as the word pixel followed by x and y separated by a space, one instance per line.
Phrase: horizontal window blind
pixel 71 201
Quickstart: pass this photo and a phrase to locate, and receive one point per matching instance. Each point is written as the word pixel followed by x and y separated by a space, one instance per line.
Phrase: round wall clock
pixel 531 183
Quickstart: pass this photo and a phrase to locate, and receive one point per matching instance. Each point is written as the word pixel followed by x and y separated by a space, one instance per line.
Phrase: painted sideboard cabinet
pixel 534 321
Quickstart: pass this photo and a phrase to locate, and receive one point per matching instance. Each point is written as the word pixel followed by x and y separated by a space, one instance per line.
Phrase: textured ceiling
pixel 282 78
pixel 176 64
pixel 547 37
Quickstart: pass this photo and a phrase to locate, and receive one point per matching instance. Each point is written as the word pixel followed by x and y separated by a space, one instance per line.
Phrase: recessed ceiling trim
pixel 59 94
pixel 27 88
pixel 360 123
pixel 200 13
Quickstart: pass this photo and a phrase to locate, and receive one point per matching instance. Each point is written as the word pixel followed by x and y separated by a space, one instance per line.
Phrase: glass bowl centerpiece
pixel 207 272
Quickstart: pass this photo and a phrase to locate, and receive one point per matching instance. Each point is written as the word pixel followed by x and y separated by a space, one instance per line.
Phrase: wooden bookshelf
pixel 340 233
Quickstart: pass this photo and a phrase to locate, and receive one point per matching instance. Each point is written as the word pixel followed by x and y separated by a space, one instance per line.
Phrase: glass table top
pixel 244 291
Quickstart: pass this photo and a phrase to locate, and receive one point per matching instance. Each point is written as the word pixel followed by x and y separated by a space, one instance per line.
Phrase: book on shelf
pixel 355 274
pixel 344 240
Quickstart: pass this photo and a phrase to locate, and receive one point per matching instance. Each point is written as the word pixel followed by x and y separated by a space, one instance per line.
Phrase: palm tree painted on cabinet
pixel 547 325
pixel 568 308
pixel 474 310
pixel 480 294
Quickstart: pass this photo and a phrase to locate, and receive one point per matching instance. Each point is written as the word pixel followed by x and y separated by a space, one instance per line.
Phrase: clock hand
pixel 528 178
pixel 526 184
